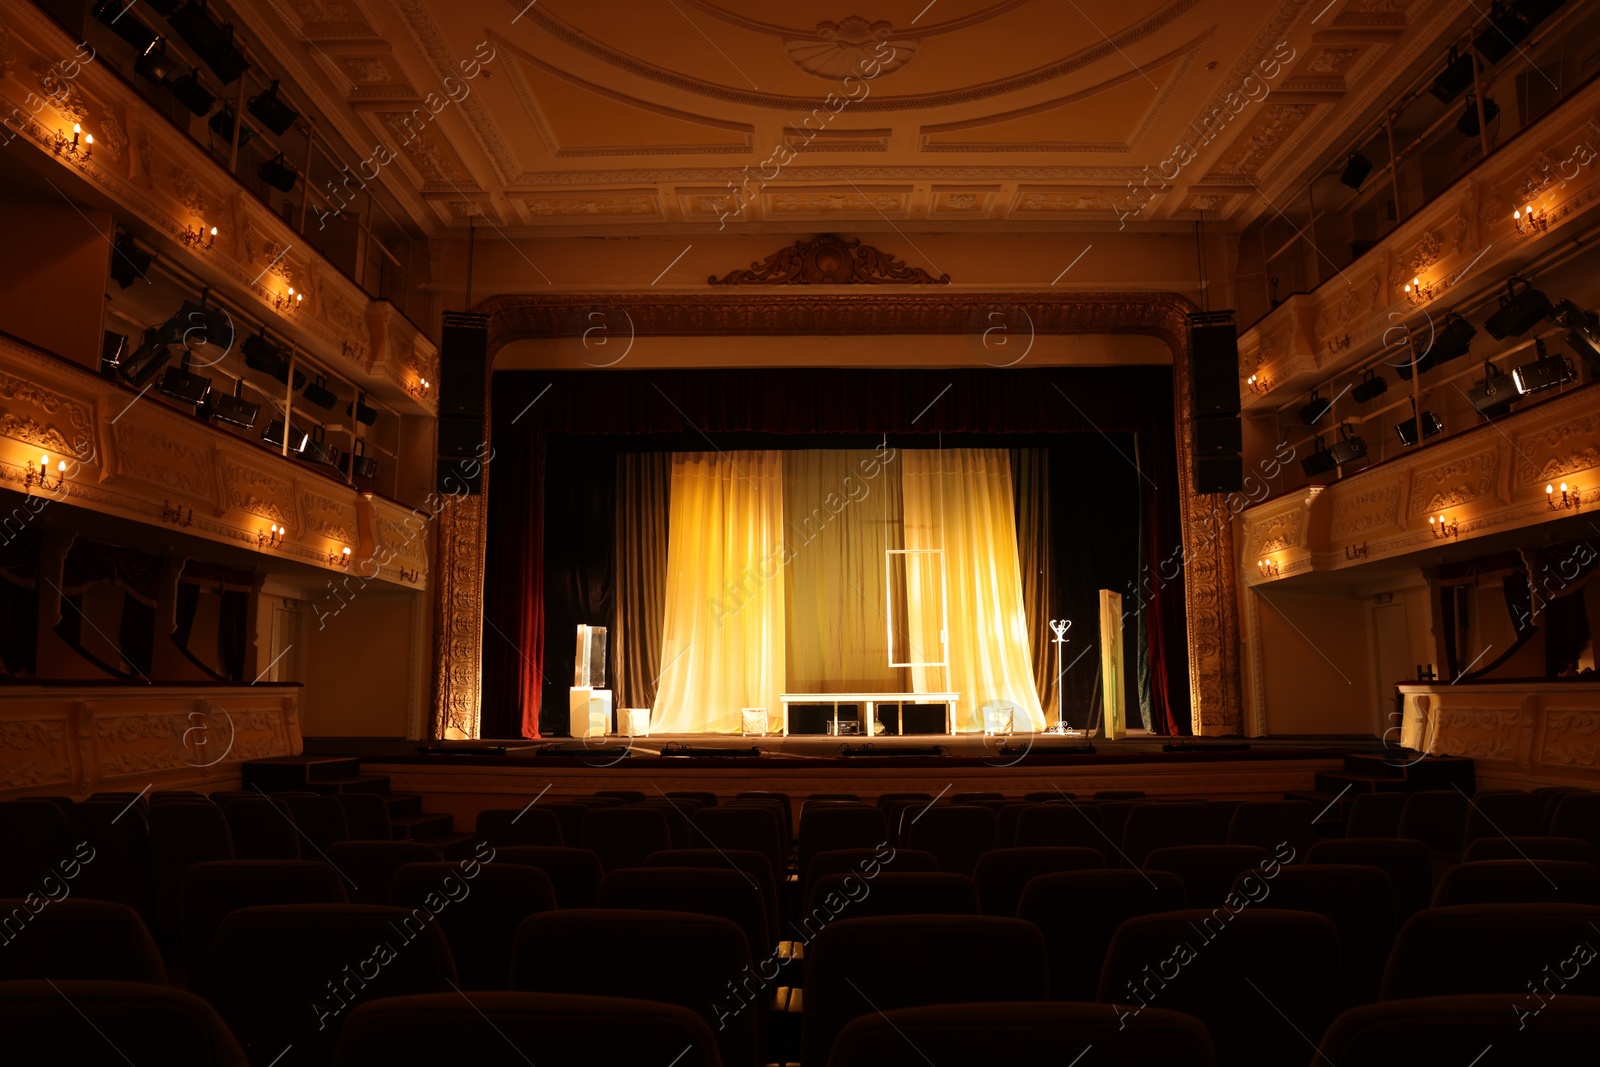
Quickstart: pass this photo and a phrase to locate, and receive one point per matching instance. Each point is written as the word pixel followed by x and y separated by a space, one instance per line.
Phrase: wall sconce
pixel 1257 384
pixel 419 388
pixel 1441 529
pixel 339 559
pixel 71 145
pixel 287 302
pixel 199 240
pixel 175 515
pixel 1529 222
pixel 273 538
pixel 1356 552
pixel 1570 498
pixel 42 480
pixel 410 576
pixel 1418 292
pixel 1268 567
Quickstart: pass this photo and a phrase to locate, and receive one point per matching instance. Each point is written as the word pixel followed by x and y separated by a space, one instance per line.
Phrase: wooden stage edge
pixel 463 780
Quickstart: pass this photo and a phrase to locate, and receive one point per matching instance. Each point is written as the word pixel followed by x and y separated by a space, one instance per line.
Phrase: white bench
pixel 869 702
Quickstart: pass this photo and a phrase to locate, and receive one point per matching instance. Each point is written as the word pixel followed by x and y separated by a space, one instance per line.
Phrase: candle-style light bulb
pixel 88 138
pixel 1563 487
pixel 213 231
pixel 1515 214
pixel 62 467
pixel 76 129
pixel 1549 489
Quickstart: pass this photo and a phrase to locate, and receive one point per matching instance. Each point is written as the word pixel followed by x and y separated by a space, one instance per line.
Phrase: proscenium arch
pixel 1209 572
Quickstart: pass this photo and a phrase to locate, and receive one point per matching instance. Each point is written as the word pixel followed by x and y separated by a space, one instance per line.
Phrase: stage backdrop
pixel 580 530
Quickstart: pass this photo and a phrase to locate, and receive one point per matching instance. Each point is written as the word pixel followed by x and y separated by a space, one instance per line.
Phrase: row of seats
pixel 286 978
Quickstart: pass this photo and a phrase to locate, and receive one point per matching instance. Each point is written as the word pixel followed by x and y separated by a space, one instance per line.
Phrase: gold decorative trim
pixel 1209 573
pixel 829 259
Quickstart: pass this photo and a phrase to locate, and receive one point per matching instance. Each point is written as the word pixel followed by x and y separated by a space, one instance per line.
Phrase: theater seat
pixel 752 864
pixel 90 940
pixel 368 866
pixel 1069 825
pixel 861 967
pixel 1532 848
pixel 1078 911
pixel 1259 978
pixel 1460 1030
pixel 826 828
pixel 1519 881
pixel 1208 871
pixel 285 977
pixel 507 827
pixel 625 836
pixel 1003 873
pixel 1493 948
pixel 956 833
pixel 34 832
pixel 753 828
pixel 181 835
pixel 479 907
pixel 1578 815
pixel 1282 827
pixel 499 1029
pixel 1504 813
pixel 1406 862
pixel 731 894
pixel 1153 826
pixel 574 872
pixel 366 815
pixel 1375 815
pixel 856 896
pixel 112 1024
pixel 211 891
pixel 262 828
pixel 1359 901
pixel 1438 818
pixel 1021 1035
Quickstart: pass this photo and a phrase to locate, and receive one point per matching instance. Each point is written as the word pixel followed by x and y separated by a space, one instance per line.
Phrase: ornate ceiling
pixel 635 116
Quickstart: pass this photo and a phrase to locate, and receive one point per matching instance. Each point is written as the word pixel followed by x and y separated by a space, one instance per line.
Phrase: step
pixel 365 783
pixel 285 773
pixel 403 804
pixel 1441 772
pixel 423 826
pixel 1388 764
pixel 1337 781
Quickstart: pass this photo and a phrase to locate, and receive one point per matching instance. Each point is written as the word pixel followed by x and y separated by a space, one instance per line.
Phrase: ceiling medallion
pixel 850 46
pixel 829 259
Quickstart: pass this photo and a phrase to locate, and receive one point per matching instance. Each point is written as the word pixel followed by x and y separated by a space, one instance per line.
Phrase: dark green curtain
pixel 644 487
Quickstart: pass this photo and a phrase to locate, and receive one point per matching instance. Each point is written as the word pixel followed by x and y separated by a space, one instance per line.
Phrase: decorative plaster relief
pixel 34 753
pixel 1571 738
pixel 1372 510
pixel 1549 455
pixel 261 494
pixel 1451 484
pixel 148 454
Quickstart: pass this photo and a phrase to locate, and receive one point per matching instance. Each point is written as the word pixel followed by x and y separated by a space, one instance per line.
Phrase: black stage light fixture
pixel 1349 451
pixel 298 438
pixel 1583 331
pixel 1545 372
pixel 319 394
pixel 222 122
pixel 234 410
pixel 1467 124
pixel 151 355
pixel 360 412
pixel 211 40
pixel 1536 11
pixel 128 264
pixel 274 114
pixel 1455 77
pixel 181 383
pixel 1319 462
pixel 200 325
pixel 318 451
pixel 1451 341
pixel 262 355
pixel 277 174
pixel 1356 169
pixel 191 93
pixel 1520 311
pixel 358 464
pixel 1432 426
pixel 113 346
pixel 154 63
pixel 1506 29
pixel 117 17
pixel 1371 386
pixel 163 7
pixel 1315 411
pixel 1496 395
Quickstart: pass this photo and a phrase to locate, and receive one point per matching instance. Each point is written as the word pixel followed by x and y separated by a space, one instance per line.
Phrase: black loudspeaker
pixel 1213 365
pixel 463 365
pixel 1218 474
pixel 1216 436
pixel 461 438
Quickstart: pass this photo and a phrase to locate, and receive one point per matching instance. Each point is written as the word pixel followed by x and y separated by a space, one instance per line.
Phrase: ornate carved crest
pixel 829 259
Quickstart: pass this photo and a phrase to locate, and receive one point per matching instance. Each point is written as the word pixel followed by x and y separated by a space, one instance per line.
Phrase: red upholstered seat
pixel 112 1024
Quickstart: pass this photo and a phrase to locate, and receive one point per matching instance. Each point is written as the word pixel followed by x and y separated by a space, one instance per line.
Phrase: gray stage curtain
pixel 644 483
pixel 1030 482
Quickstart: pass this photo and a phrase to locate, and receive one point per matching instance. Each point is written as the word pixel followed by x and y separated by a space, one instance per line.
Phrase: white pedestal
pixel 589 711
pixel 633 722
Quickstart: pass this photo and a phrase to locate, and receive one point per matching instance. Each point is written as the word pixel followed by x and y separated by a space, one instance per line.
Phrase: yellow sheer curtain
pixel 722 643
pixel 841 510
pixel 959 500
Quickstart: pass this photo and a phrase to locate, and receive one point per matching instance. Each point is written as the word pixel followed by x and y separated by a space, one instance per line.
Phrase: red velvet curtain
pixel 513 622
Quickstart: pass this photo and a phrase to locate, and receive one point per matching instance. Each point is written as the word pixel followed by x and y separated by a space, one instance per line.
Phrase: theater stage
pixel 463 778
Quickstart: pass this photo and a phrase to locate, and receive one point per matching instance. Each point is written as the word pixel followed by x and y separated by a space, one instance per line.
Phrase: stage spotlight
pixel 1315 411
pixel 154 64
pixel 1546 372
pixel 198 325
pixel 298 438
pixel 1319 462
pixel 1584 331
pixel 318 451
pixel 1467 124
pixel 262 355
pixel 234 409
pixel 1455 77
pixel 1349 451
pixel 1519 311
pixel 222 122
pixel 1536 11
pixel 1507 28
pixel 1451 341
pixel 128 264
pixel 1432 426
pixel 1371 386
pixel 1356 169
pixel 113 346
pixel 191 94
pixel 319 394
pixel 274 114
pixel 212 41
pixel 360 412
pixel 276 174
pixel 1496 395
pixel 358 464
pixel 114 14
pixel 181 383
pixel 149 357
